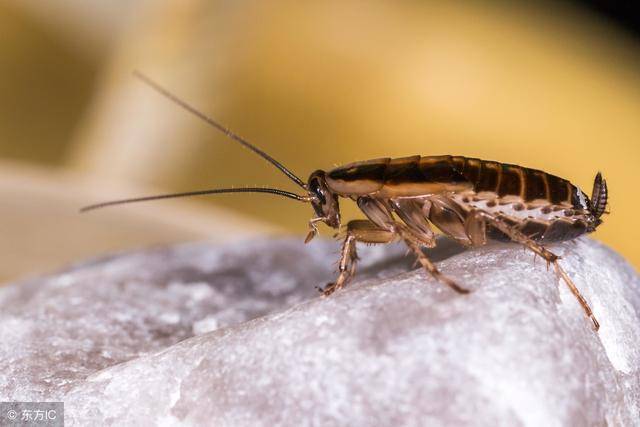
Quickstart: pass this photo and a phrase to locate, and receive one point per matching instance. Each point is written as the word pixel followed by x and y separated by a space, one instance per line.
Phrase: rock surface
pixel 198 334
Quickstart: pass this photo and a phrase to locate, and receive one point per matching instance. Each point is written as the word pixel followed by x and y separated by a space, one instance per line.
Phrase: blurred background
pixel 550 85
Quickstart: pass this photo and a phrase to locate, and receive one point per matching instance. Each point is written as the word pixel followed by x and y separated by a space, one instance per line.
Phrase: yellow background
pixel 317 84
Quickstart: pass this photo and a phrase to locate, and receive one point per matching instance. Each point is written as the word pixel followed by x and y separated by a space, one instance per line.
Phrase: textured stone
pixel 198 334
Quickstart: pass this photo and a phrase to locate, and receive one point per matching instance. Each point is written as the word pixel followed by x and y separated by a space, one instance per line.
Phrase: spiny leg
pixel 549 256
pixel 346 266
pixel 415 245
pixel 416 233
pixel 357 231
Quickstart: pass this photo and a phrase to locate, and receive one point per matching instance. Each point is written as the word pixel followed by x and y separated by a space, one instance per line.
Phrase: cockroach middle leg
pixel 549 256
pixel 415 245
pixel 356 231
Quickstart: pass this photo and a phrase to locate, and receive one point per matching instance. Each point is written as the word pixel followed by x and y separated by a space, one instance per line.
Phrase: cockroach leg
pixel 415 245
pixel 313 228
pixel 412 214
pixel 538 249
pixel 583 302
pixel 346 266
pixel 356 231
pixel 416 235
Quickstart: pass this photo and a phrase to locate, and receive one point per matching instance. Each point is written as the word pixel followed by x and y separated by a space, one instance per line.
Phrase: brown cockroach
pixel 469 200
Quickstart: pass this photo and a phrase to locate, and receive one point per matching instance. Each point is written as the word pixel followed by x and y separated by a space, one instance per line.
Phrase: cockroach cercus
pixel 469 200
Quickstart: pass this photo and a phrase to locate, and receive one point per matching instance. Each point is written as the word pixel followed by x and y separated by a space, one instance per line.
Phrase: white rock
pixel 205 335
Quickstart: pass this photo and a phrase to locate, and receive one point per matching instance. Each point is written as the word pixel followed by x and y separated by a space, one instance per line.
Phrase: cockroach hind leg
pixel 547 255
pixel 576 293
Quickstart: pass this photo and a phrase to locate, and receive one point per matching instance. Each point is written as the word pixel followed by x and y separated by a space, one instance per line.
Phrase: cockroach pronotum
pixel 469 200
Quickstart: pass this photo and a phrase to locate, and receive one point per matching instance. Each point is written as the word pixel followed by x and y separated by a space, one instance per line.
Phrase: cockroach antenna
pixel 229 134
pixel 219 127
pixel 275 191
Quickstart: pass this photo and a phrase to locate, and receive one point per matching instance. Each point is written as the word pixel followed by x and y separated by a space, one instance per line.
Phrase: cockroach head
pixel 599 197
pixel 324 201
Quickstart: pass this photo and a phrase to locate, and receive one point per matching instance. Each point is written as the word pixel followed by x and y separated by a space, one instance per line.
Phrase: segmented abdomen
pixel 416 175
pixel 511 180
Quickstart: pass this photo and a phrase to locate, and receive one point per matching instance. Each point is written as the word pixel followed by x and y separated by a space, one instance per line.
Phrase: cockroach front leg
pixel 313 228
pixel 357 231
pixel 549 256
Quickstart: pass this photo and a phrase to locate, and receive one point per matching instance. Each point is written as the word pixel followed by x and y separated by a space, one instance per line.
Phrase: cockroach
pixel 470 200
